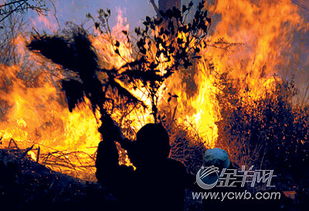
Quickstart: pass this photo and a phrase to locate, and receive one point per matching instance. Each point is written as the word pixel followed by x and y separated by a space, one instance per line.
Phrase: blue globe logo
pixel 207 177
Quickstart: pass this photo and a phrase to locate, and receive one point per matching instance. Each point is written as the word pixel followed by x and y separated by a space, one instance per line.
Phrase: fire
pixel 259 35
pixel 36 114
pixel 265 30
pixel 48 21
pixel 103 43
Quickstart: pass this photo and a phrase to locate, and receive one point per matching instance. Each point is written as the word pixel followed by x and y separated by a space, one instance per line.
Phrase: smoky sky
pixel 75 11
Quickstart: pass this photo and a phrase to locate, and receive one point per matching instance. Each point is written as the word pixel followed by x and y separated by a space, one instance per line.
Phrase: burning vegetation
pixel 216 75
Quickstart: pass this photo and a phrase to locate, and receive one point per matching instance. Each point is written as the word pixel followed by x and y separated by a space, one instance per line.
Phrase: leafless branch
pixel 20 6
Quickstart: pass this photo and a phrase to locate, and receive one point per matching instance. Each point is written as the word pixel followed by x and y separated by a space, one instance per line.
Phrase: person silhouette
pixel 157 183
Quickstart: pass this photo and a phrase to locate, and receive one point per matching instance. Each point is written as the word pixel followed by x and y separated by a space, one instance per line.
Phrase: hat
pixel 217 157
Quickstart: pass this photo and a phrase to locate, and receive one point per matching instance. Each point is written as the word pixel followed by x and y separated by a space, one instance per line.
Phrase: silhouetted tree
pixel 178 44
pixel 167 40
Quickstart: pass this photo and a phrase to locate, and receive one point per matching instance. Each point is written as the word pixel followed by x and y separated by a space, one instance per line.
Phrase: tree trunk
pixel 169 4
pixel 165 5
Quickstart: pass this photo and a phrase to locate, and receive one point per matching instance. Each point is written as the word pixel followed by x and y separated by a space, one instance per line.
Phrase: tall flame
pixel 251 41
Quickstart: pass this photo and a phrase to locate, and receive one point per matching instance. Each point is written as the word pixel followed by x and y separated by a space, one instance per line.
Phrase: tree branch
pixel 155 7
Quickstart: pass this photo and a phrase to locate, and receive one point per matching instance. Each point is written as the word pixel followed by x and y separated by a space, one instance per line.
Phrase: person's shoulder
pixel 175 164
pixel 126 169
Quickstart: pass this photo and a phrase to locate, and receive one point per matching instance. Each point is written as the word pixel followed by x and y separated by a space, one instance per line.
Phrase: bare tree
pixel 12 26
pixel 9 7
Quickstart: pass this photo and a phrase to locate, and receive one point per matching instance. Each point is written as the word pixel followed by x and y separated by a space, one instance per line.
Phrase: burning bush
pixel 270 132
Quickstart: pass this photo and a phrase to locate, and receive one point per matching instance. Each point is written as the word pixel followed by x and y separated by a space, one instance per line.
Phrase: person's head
pixel 152 144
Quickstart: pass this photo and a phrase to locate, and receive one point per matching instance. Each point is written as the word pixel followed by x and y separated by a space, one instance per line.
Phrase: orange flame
pixel 260 35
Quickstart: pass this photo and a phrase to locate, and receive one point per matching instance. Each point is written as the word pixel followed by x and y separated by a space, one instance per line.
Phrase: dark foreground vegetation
pixel 27 185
